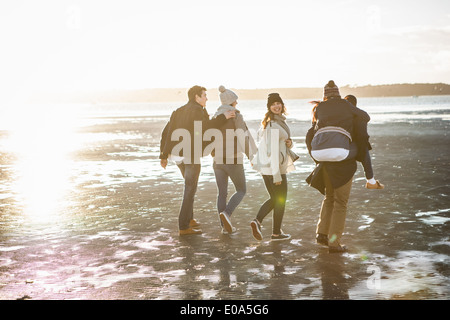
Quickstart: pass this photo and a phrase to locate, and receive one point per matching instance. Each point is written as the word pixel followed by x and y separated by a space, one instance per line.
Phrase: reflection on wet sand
pixel 335 281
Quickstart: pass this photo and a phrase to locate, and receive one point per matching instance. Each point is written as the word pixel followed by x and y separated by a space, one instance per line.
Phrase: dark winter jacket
pixel 184 118
pixel 336 113
pixel 338 172
pixel 334 129
pixel 243 143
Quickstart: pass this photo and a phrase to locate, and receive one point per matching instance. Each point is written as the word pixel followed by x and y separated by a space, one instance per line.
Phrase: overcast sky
pixel 98 45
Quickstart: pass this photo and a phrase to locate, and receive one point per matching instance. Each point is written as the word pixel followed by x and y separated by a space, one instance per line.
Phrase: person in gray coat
pixel 228 158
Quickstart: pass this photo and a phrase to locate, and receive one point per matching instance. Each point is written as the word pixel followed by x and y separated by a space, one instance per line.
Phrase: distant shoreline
pixel 179 94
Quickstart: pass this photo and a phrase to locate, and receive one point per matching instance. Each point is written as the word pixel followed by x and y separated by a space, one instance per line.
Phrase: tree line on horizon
pixel 179 94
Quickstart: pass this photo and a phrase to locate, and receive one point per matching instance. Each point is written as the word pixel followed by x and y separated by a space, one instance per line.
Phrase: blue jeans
pixel 190 173
pixel 236 173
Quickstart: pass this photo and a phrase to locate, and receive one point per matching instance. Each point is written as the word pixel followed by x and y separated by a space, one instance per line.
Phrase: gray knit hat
pixel 331 90
pixel 227 96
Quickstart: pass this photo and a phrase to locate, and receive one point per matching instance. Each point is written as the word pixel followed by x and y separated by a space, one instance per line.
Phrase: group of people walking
pixel 337 139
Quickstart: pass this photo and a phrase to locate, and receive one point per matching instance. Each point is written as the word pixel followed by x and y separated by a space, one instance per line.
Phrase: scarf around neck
pixel 281 120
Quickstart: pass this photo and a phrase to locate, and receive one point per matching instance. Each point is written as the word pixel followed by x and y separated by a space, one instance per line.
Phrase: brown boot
pixel 189 231
pixel 376 185
pixel 337 249
pixel 193 224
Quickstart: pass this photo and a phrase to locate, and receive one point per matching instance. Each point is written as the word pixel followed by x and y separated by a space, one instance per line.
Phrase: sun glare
pixel 41 139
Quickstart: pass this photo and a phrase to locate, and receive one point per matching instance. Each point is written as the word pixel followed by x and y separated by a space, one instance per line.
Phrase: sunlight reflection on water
pixel 41 143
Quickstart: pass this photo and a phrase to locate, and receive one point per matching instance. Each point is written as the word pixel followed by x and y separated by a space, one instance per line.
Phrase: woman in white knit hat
pixel 228 159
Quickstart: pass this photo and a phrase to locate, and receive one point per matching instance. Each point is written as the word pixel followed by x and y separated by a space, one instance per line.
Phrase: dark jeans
pixel 236 173
pixel 277 202
pixel 367 165
pixel 190 173
pixel 365 161
pixel 362 140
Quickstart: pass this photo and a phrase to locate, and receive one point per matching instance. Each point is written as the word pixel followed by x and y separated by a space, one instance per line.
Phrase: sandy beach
pixel 115 234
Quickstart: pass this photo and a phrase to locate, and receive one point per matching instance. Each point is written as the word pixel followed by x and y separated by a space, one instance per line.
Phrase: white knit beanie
pixel 227 96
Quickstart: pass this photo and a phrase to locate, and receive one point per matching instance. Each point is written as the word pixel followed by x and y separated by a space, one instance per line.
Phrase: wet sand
pixel 116 235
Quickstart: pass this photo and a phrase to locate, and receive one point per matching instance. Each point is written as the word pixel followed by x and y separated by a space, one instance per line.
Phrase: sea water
pixel 381 109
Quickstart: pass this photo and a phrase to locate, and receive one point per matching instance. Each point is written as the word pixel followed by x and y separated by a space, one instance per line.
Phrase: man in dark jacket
pixel 191 121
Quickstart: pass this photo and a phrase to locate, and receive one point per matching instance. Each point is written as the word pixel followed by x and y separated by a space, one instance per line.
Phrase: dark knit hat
pixel 272 98
pixel 331 90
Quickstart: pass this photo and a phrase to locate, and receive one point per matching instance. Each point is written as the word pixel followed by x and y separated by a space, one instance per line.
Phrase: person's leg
pixel 264 210
pixel 191 174
pixel 237 176
pixel 337 222
pixel 268 205
pixel 222 186
pixel 368 172
pixel 363 155
pixel 182 167
pixel 362 141
pixel 323 225
pixel 280 194
pixel 222 174
pixel 367 165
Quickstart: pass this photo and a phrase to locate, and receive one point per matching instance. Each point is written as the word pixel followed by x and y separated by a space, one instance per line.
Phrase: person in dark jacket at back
pixel 335 116
pixel 361 138
pixel 189 122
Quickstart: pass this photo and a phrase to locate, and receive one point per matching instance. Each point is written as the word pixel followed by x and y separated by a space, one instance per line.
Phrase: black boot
pixel 322 239
pixel 337 249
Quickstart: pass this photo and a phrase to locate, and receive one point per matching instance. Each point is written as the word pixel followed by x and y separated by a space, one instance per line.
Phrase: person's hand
pixel 277 183
pixel 288 143
pixel 230 114
pixel 163 163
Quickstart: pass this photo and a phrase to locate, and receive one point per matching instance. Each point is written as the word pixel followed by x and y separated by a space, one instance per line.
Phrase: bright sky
pixel 132 44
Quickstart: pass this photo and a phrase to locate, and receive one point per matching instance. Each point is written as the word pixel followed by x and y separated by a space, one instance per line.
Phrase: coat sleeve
pixel 164 134
pixel 207 123
pixel 166 143
pixel 361 114
pixel 309 137
pixel 250 146
pixel 308 140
